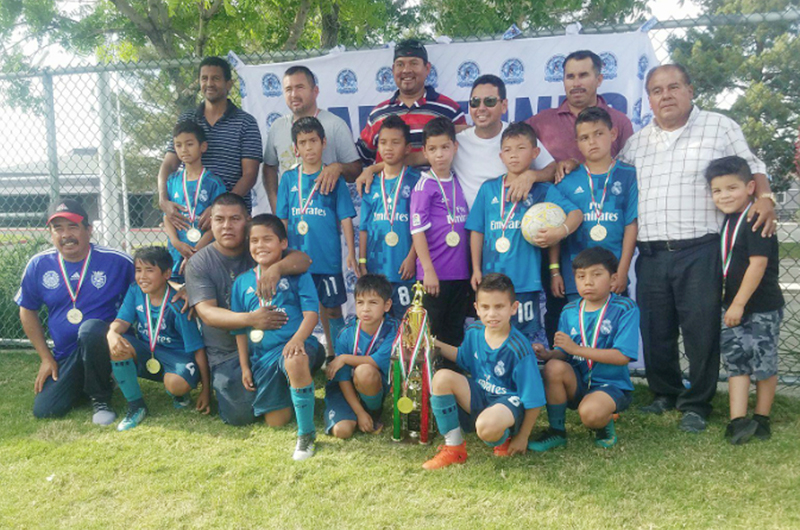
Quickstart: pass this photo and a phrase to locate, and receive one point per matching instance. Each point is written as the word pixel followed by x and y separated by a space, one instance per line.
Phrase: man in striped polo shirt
pixel 234 142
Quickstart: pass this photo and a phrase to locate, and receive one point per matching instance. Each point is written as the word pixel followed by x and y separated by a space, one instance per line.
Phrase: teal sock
pixel 336 325
pixel 372 402
pixel 445 410
pixel 557 414
pixel 125 374
pixel 499 442
pixel 303 400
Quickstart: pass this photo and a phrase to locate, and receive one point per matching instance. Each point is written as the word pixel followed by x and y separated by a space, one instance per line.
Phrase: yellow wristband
pixel 363 261
pixel 554 266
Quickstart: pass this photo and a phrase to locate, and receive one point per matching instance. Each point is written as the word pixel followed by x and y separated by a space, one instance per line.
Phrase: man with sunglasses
pixel 478 156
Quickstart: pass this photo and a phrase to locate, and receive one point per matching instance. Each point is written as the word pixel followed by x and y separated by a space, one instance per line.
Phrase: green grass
pixel 184 470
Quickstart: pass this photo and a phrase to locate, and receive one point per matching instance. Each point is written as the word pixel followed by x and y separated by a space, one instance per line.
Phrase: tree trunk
pixel 330 25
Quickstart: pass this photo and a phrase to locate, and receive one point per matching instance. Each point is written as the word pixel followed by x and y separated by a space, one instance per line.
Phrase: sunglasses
pixel 489 101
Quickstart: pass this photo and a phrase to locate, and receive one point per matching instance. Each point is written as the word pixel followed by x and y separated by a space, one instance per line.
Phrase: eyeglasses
pixel 489 101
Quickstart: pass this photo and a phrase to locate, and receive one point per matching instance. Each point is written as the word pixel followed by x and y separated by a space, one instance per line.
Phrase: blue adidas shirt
pixel 322 243
pixel 522 263
pixel 295 294
pixel 619 210
pixel 619 331
pixel 381 351
pixel 510 369
pixel 178 335
pixel 381 258
pixel 107 279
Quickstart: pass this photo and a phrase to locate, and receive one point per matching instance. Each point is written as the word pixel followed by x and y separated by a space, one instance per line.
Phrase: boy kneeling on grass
pixel 597 337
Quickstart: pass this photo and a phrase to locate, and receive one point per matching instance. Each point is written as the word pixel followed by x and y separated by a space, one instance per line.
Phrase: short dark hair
pixel 154 255
pixel 517 129
pixel 580 55
pixel 497 282
pixel 273 222
pixel 729 165
pixel 373 283
pixel 490 79
pixel 679 67
pixel 300 69
pixel 230 199
pixel 396 122
pixel 305 125
pixel 594 115
pixel 191 127
pixel 595 256
pixel 438 127
pixel 216 61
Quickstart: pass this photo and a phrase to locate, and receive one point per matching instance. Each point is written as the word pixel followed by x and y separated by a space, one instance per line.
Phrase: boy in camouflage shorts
pixel 752 302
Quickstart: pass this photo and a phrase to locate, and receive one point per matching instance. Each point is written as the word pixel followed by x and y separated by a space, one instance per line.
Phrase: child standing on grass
pixel 752 303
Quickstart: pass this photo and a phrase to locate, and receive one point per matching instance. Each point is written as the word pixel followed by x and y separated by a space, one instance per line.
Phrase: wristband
pixel 362 261
pixel 555 266
pixel 566 229
pixel 555 274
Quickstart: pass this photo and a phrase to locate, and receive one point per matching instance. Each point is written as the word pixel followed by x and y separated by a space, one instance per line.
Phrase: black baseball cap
pixel 69 209
pixel 411 48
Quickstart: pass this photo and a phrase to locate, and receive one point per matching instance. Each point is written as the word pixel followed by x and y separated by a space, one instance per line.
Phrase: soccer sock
pixel 557 415
pixel 445 410
pixel 303 400
pixel 499 442
pixel 125 374
pixel 373 402
pixel 336 325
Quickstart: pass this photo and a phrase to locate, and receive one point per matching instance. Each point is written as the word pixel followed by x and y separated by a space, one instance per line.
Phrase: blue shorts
pixel 622 398
pixel 336 406
pixel 180 365
pixel 272 382
pixel 480 400
pixel 528 317
pixel 330 289
pixel 402 294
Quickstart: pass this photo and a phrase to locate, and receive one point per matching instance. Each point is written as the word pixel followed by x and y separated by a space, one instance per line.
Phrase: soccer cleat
pixel 132 419
pixel 447 455
pixel 606 438
pixel 550 439
pixel 181 402
pixel 742 429
pixel 502 449
pixel 304 448
pixel 764 431
pixel 103 414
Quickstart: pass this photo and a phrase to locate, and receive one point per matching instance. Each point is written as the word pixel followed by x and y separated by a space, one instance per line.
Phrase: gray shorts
pixel 751 348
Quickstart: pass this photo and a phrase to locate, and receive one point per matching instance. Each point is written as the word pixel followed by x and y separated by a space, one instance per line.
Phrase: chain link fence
pixel 98 134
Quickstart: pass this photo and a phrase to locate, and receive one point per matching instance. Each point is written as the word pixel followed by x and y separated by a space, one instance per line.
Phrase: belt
pixel 648 247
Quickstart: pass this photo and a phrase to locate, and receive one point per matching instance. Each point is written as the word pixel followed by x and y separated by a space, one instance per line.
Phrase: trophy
pixel 412 353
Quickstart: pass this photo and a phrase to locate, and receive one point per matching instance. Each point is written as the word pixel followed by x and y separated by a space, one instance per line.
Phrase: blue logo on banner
pixel 384 80
pixel 271 119
pixel 271 85
pixel 433 77
pixel 554 69
pixel 242 88
pixel 232 59
pixel 609 65
pixel 468 72
pixel 638 120
pixel 643 65
pixel 346 82
pixel 512 72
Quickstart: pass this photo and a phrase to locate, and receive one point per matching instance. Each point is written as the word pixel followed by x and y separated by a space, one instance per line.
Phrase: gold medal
pixel 392 239
pixel 256 335
pixel 74 316
pixel 405 405
pixel 452 239
pixel 193 235
pixel 502 245
pixel 152 365
pixel 598 232
pixel 302 228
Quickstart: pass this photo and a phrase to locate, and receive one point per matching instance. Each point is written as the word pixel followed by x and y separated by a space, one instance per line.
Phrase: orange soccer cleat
pixel 502 449
pixel 447 455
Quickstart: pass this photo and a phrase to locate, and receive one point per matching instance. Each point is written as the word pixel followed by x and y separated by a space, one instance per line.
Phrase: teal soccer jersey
pixel 620 209
pixel 618 331
pixel 323 216
pixel 381 257
pixel 522 261
pixel 295 294
pixel 510 370
pixel 380 351
pixel 179 337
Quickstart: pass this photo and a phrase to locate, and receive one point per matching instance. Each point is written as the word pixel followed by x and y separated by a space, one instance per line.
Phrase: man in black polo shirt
pixel 234 141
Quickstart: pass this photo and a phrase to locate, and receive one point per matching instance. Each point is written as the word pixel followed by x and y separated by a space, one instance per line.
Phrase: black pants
pixel 680 291
pixel 554 305
pixel 448 311
pixel 86 372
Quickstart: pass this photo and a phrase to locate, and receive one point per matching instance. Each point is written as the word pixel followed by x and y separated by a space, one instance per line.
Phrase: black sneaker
pixel 764 431
pixel 660 405
pixel 692 422
pixel 742 429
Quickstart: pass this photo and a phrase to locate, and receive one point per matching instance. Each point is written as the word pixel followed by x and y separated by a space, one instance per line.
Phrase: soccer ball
pixel 541 215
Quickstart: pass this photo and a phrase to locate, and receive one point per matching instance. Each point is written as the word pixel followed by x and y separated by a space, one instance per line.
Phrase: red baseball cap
pixel 69 209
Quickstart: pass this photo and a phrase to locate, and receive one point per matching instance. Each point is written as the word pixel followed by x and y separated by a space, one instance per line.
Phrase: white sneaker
pixel 304 448
pixel 103 414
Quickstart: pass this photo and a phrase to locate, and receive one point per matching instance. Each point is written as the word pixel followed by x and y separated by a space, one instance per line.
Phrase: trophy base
pixel 412 437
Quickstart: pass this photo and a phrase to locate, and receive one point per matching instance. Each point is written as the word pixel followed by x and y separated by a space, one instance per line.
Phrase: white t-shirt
pixel 478 160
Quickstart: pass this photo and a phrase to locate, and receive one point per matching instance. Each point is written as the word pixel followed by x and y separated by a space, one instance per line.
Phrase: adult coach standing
pixel 234 141
pixel 340 157
pixel 82 285
pixel 679 268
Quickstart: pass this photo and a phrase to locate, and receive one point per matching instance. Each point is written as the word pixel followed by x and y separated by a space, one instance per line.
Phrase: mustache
pixel 68 240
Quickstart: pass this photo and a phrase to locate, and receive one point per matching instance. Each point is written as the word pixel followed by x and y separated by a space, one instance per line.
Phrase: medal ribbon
pixel 727 248
pixel 598 207
pixel 191 205
pixel 596 336
pixel 153 334
pixel 303 207
pixel 451 218
pixel 73 295
pixel 503 217
pixel 371 343
pixel 384 196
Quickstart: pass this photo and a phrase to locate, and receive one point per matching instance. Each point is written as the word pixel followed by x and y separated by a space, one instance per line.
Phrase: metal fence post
pixel 111 233
pixel 50 131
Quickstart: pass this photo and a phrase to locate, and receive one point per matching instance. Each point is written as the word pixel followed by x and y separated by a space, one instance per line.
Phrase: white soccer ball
pixel 541 215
